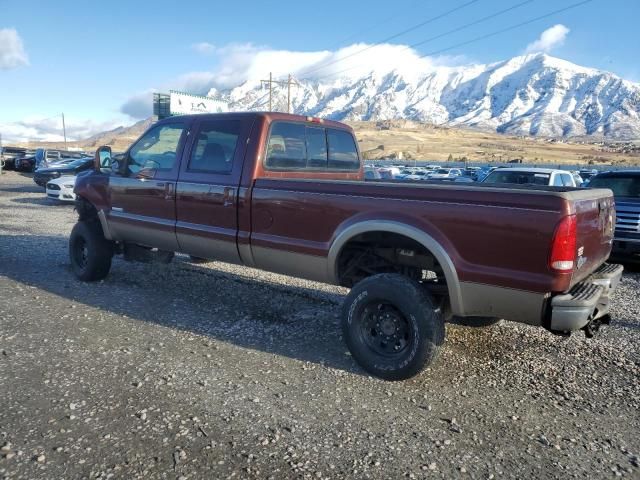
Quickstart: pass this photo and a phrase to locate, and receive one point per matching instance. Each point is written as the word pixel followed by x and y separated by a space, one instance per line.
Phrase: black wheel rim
pixel 80 252
pixel 384 329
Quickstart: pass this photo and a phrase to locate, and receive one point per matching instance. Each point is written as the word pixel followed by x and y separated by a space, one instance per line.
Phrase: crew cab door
pixel 143 197
pixel 207 189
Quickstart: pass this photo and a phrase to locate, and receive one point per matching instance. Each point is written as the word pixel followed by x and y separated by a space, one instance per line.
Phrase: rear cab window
pixel 215 147
pixel 297 146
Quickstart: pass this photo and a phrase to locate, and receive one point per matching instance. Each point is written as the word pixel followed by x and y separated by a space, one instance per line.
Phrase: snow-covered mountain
pixel 528 95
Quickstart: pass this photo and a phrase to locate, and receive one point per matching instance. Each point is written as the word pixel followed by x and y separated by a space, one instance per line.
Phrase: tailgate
pixel 595 221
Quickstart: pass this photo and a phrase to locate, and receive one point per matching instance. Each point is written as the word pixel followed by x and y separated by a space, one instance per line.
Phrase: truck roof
pixel 269 116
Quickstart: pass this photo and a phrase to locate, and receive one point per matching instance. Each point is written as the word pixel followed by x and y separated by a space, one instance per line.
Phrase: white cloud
pixel 205 48
pixel 50 129
pixel 12 53
pixel 240 62
pixel 139 106
pixel 549 39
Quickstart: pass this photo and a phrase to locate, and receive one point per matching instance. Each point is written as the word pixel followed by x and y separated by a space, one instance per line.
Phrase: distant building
pixel 181 103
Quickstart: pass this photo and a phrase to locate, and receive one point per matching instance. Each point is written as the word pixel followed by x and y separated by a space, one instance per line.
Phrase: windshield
pixel 443 171
pixel 502 176
pixel 621 186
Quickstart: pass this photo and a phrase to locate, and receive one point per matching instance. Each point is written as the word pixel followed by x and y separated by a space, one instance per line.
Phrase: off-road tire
pixel 89 252
pixel 408 304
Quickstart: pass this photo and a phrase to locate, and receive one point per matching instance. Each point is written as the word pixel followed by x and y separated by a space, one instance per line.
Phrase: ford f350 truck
pixel 286 193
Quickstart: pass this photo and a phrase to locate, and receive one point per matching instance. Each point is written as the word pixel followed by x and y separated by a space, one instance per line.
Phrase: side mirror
pixel 102 158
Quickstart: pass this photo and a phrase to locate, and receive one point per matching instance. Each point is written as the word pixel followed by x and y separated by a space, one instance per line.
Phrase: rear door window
pixel 343 154
pixel 215 147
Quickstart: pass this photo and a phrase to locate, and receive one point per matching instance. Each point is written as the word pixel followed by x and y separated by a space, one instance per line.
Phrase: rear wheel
pixel 392 326
pixel 90 253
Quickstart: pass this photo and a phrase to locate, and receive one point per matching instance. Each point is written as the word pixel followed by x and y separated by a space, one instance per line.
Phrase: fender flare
pixel 424 239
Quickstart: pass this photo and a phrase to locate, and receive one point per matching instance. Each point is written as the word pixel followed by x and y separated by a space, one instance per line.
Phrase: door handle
pixel 168 190
pixel 228 198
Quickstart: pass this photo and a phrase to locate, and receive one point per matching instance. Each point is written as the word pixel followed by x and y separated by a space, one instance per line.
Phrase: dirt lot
pixel 217 371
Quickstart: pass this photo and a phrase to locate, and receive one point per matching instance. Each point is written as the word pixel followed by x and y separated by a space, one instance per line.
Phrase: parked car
pixel 61 188
pixel 405 173
pixel 44 175
pixel 625 185
pixel 389 173
pixel 9 155
pixel 26 163
pixel 483 172
pixel 242 188
pixel 586 174
pixel 371 173
pixel 445 174
pixel 47 157
pixel 418 175
pixel 532 176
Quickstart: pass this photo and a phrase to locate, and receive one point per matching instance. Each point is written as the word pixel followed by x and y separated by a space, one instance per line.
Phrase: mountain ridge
pixel 534 95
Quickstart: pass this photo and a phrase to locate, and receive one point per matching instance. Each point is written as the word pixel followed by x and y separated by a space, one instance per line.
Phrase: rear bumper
pixel 586 302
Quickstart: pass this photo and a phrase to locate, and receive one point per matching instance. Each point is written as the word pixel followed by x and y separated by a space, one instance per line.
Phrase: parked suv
pixel 535 176
pixel 625 185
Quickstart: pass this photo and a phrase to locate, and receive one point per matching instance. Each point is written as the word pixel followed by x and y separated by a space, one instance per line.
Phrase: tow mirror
pixel 102 158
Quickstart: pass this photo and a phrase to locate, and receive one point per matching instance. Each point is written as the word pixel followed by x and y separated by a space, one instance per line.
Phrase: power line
pixel 392 37
pixel 455 30
pixel 375 25
pixel 483 37
pixel 508 29
pixel 471 24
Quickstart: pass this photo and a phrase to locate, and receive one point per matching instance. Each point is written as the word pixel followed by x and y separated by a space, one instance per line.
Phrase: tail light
pixel 563 248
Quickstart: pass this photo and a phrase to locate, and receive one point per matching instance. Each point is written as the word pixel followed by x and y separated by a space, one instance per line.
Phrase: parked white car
pixel 62 189
pixel 445 173
pixel 536 176
pixel 418 175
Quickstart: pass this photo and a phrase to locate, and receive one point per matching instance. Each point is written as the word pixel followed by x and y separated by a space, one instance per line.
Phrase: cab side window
pixel 287 146
pixel 157 149
pixel 215 147
pixel 296 146
pixel 343 154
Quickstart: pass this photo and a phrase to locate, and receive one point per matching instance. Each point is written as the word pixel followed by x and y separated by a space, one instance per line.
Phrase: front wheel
pixel 392 326
pixel 90 253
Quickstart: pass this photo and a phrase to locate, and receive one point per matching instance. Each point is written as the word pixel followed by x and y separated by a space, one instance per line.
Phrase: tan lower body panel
pixel 295 264
pixel 491 301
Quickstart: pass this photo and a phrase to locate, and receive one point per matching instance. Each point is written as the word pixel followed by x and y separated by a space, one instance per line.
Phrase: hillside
pixel 418 140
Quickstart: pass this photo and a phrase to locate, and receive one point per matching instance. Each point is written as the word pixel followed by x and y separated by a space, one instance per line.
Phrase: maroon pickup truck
pixel 286 193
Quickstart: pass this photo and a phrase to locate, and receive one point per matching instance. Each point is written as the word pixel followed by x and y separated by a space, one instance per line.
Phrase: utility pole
pixel 270 82
pixel 64 132
pixel 290 81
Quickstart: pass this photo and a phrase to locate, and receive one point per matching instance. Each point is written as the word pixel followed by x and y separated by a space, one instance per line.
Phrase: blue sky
pixel 89 59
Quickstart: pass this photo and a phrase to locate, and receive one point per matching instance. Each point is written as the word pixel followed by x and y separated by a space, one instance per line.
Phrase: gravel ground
pixel 218 371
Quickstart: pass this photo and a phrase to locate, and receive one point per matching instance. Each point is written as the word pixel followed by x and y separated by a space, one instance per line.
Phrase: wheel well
pixel 376 252
pixel 85 209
